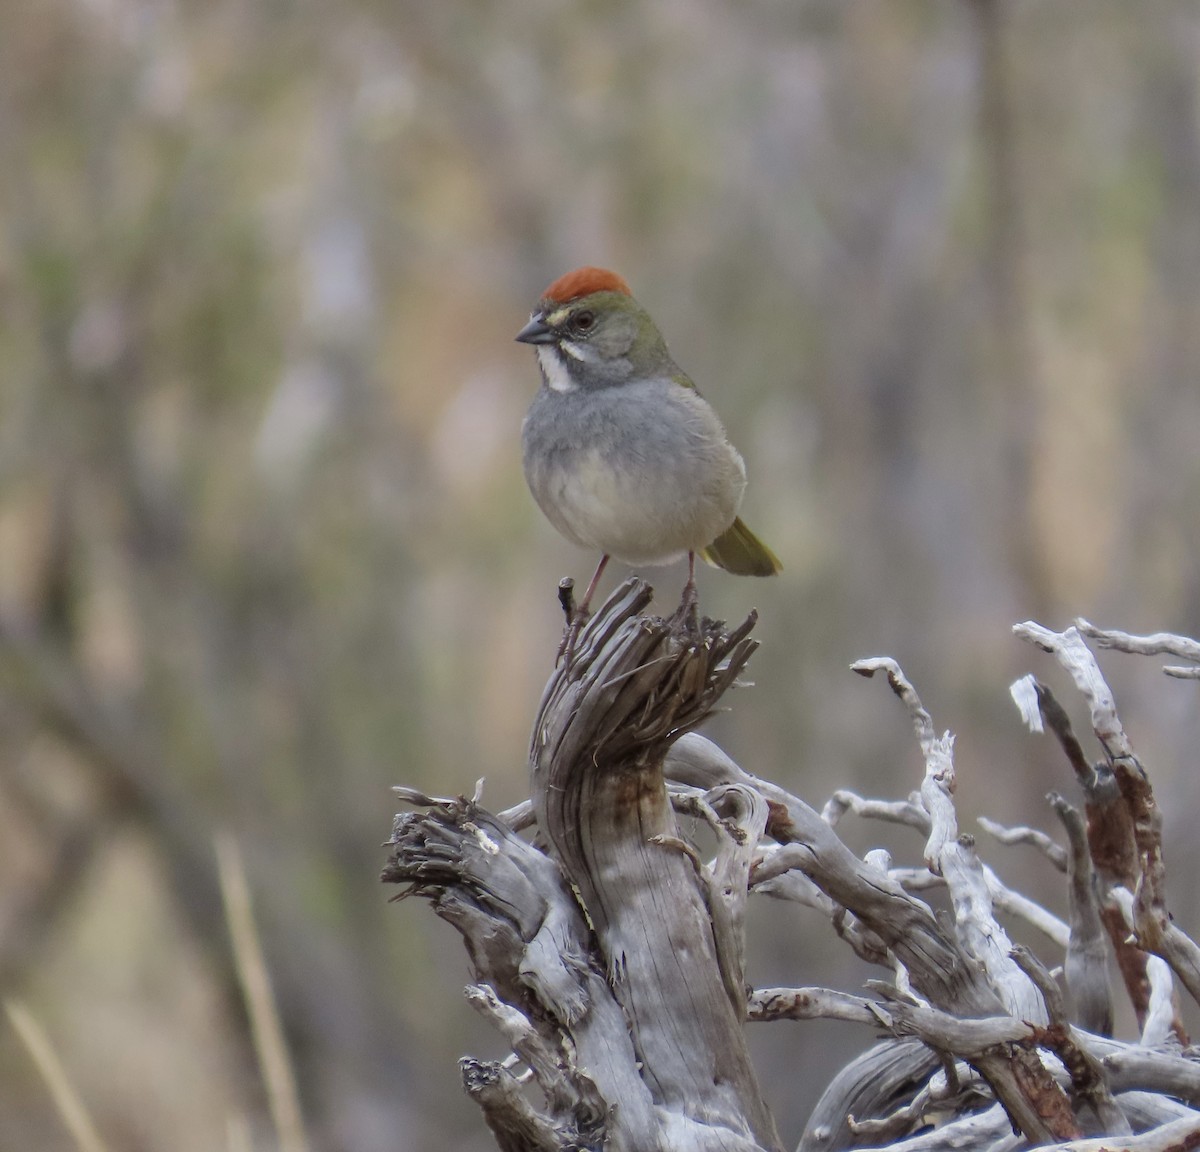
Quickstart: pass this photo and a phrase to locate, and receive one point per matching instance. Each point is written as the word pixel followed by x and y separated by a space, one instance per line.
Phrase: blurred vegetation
pixel 265 548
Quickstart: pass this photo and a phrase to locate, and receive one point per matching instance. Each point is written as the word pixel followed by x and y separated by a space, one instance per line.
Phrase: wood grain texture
pixel 609 715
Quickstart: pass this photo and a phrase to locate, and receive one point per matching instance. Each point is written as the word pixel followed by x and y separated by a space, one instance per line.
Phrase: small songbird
pixel 622 453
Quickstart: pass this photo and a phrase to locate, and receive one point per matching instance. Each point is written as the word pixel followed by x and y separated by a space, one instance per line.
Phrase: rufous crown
pixel 583 282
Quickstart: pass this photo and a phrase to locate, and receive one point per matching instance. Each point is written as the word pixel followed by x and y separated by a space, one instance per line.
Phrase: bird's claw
pixel 570 636
pixel 687 614
pixel 576 619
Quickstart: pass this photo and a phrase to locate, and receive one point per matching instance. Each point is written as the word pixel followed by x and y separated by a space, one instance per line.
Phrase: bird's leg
pixel 690 600
pixel 578 618
pixel 582 610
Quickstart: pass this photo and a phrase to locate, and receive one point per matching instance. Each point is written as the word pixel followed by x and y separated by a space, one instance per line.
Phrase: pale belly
pixel 652 499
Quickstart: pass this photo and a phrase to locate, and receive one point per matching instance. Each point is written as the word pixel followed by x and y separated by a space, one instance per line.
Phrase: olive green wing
pixel 739 551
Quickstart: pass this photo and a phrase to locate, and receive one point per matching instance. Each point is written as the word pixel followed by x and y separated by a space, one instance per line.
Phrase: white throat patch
pixel 554 369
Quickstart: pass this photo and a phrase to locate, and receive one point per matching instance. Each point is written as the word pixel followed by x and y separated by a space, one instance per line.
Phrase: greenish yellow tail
pixel 739 551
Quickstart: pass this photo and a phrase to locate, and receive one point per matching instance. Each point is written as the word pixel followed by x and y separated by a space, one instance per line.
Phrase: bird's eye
pixel 583 321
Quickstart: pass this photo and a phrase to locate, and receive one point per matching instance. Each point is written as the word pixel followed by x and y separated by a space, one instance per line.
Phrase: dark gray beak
pixel 536 332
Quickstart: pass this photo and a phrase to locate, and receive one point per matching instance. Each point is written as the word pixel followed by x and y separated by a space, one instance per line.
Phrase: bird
pixel 621 452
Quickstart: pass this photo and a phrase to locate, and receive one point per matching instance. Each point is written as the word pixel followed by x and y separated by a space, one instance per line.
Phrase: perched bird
pixel 621 452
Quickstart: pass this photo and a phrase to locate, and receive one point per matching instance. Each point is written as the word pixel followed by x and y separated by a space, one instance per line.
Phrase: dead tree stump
pixel 611 956
pixel 610 714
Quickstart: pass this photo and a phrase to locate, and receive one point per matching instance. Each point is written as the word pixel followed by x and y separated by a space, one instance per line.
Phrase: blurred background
pixel 266 550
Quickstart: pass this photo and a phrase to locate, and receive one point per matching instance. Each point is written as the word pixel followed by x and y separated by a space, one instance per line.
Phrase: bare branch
pixel 1156 644
pixel 952 856
pixel 909 812
pixel 564 1092
pixel 938 968
pixel 943 1096
pixel 900 684
pixel 1038 839
pixel 872 1084
pixel 514 1122
pixel 1156 931
pixel 530 945
pixel 966 1038
pixel 1110 842
pixel 976 1130
pixel 1087 958
pixel 1178 673
pixel 1004 899
pixel 1132 1066
pixel 1073 654
pixel 813 1004
pixel 1181 1135
pixel 1160 1029
pixel 744 820
pixel 1087 1076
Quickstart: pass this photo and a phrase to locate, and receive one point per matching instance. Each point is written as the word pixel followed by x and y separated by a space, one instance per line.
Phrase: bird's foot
pixel 686 615
pixel 575 624
pixel 576 618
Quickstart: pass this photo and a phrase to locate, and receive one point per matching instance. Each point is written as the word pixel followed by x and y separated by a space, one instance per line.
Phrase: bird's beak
pixel 537 331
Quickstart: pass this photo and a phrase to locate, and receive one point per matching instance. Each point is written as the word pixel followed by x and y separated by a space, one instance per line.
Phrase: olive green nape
pixel 739 551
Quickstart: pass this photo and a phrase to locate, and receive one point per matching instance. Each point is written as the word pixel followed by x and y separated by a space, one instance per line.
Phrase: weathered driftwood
pixel 610 955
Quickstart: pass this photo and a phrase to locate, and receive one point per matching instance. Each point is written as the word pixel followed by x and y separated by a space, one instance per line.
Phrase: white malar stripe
pixel 554 369
pixel 577 351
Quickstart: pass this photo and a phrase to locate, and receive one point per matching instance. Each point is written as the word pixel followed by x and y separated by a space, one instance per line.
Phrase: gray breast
pixel 642 472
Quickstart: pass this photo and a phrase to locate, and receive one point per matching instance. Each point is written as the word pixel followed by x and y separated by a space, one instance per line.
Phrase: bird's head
pixel 589 332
